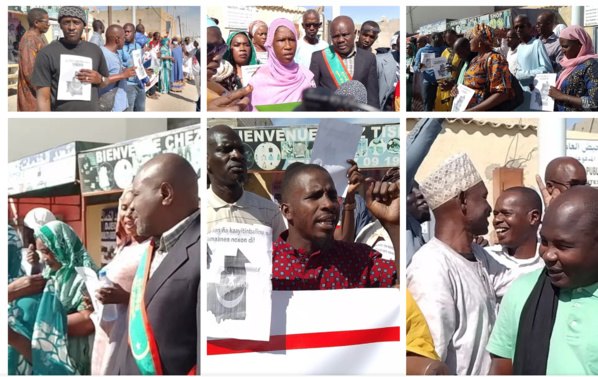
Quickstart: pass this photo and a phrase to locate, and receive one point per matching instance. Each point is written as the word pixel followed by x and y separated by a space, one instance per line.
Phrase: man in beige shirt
pixel 227 200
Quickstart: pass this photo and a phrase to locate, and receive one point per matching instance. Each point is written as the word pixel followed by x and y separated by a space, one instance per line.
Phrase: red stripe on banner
pixel 304 341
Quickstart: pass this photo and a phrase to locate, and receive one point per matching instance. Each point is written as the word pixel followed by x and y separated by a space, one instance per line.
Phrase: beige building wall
pixel 93 217
pixel 489 145
pixel 154 19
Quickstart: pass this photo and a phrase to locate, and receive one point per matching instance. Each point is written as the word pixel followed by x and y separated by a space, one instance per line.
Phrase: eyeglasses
pixel 310 25
pixel 214 49
pixel 571 184
pixel 519 27
pixel 44 21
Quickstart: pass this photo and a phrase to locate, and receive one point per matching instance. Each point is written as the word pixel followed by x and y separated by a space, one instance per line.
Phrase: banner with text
pixel 312 333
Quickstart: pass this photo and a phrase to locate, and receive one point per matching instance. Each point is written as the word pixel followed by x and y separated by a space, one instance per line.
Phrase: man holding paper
pixel 69 73
pixel 430 85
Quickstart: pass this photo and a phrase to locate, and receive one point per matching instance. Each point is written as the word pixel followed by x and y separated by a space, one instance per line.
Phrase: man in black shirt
pixel 46 73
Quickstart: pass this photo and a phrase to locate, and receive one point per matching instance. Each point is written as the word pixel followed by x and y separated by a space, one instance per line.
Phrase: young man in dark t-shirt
pixel 46 73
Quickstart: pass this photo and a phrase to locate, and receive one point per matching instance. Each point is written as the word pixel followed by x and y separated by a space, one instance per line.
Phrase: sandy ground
pixel 184 101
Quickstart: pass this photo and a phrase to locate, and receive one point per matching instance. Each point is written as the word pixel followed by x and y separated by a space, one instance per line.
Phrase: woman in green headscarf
pixel 241 52
pixel 37 325
pixel 62 251
pixel 167 61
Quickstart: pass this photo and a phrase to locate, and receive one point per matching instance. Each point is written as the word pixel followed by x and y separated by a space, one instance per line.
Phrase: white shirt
pixel 522 266
pixel 305 51
pixel 249 209
pixel 512 60
pixel 458 300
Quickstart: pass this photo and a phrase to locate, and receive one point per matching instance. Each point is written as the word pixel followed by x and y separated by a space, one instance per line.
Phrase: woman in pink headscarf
pixel 280 80
pixel 121 271
pixel 577 84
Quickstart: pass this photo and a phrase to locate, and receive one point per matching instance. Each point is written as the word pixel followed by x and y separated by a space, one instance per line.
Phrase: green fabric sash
pixel 335 66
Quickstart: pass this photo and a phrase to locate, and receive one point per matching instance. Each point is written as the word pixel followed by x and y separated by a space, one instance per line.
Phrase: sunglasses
pixel 310 25
pixel 214 49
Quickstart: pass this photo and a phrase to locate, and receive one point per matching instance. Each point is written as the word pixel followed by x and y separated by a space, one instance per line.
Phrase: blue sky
pixel 190 17
pixel 361 14
pixel 572 121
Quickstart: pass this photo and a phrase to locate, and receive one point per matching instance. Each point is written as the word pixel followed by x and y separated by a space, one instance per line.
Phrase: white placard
pixel 239 282
pixel 540 98
pixel 313 333
pixel 462 99
pixel 590 16
pixel 336 142
pixel 90 277
pixel 137 57
pixel 247 71
pixel 69 87
pixel 586 152
pixel 439 66
pixel 239 16
pixel 427 60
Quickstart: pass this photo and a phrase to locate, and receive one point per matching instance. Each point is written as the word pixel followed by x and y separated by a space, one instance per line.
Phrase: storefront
pixel 47 179
pixel 105 172
pixel 270 150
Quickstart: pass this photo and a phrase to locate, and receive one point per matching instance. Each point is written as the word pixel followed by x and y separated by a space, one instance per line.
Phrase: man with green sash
pixel 162 335
pixel 343 62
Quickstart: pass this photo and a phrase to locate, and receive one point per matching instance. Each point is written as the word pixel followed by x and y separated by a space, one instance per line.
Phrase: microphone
pixel 350 96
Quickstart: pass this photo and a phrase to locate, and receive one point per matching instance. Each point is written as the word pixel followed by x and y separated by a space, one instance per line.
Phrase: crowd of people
pixel 501 70
pixel 54 327
pixel 117 70
pixel 289 65
pixel 521 307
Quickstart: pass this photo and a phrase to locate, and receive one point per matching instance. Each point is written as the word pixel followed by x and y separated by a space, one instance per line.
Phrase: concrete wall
pixel 30 136
pixel 154 19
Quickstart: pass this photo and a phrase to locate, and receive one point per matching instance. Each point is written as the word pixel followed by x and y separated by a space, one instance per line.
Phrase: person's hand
pixel 451 68
pixel 129 72
pixel 555 93
pixel 546 196
pixel 26 286
pixel 481 241
pixel 355 177
pixel 231 101
pixel 455 91
pixel 114 295
pixel 87 303
pixel 420 66
pixel 32 255
pixel 446 86
pixel 383 201
pixel 392 175
pixel 90 76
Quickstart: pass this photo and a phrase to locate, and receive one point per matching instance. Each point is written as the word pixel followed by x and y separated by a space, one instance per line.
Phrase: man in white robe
pixel 452 279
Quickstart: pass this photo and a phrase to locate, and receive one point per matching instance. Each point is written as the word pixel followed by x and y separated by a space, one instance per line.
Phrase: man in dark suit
pixel 342 61
pixel 162 335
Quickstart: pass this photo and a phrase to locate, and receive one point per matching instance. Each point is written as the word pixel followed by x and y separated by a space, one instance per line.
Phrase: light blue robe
pixel 532 59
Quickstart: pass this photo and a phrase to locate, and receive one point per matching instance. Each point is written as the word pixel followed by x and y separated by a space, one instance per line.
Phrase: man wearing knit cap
pixel 47 71
pixel 453 280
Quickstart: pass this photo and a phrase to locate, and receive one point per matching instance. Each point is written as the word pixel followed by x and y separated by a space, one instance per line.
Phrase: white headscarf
pixel 38 217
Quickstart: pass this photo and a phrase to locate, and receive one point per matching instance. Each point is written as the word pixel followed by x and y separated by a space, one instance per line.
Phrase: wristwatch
pixel 103 79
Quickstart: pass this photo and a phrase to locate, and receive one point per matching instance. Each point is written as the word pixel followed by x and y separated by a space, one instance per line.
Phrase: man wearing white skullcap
pixel 453 280
pixel 34 219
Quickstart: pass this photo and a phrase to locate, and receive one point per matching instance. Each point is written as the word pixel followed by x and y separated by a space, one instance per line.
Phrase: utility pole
pixel 135 16
pixel 109 16
pixel 180 28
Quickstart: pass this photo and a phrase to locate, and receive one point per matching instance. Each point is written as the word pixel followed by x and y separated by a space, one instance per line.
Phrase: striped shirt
pixel 249 209
pixel 349 61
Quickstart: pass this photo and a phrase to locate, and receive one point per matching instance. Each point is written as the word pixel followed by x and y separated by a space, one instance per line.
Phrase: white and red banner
pixel 350 331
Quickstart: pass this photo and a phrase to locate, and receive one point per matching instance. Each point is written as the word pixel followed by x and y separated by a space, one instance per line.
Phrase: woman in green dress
pixel 62 251
pixel 167 60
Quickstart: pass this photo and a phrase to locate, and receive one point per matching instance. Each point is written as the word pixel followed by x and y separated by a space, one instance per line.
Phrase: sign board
pixel 108 228
pixel 590 16
pixel 586 152
pixel 275 148
pixel 113 167
pixel 239 16
pixel 50 168
pixel 311 333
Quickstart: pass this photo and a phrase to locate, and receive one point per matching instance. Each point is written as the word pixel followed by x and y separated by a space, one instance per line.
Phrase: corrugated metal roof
pixel 493 124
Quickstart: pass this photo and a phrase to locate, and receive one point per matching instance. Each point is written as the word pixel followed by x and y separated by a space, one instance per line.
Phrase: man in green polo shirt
pixel 548 322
